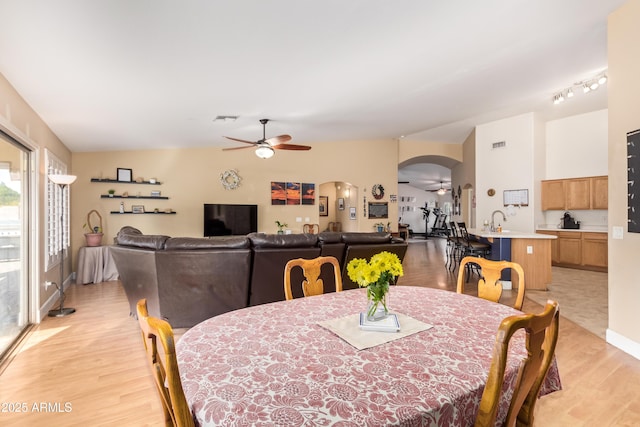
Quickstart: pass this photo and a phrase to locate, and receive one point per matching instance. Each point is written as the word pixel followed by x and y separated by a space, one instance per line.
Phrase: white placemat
pixel 348 328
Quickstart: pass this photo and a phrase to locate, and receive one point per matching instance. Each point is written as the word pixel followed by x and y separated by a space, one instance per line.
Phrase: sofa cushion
pixel 130 236
pixel 330 237
pixel 365 238
pixel 194 243
pixel 262 240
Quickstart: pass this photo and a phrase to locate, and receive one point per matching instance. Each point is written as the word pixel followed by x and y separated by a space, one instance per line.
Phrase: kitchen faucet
pixel 504 217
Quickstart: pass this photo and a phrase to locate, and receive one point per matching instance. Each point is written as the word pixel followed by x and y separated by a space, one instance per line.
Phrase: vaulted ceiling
pixel 146 74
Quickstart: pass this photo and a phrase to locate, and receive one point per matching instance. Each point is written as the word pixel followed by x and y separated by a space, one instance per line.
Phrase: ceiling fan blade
pixel 241 140
pixel 291 147
pixel 236 148
pixel 278 139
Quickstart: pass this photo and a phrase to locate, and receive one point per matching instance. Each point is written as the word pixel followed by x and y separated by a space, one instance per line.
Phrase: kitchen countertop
pixel 509 234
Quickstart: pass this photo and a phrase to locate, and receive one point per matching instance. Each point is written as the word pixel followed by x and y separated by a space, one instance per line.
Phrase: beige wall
pixel 464 175
pixel 22 123
pixel 415 149
pixel 190 178
pixel 508 168
pixel 624 93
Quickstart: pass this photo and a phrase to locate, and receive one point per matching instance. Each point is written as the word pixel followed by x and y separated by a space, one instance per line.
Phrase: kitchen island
pixel 531 250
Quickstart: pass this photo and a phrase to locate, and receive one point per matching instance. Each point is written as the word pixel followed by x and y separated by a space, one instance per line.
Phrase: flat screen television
pixel 230 220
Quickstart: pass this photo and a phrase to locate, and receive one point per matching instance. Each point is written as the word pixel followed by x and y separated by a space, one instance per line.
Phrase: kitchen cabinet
pixel 569 248
pixel 599 192
pixel 553 195
pixel 595 250
pixel 582 250
pixel 575 193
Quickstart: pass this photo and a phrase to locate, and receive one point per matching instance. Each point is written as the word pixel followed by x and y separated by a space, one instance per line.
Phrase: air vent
pixel 226 118
pixel 500 144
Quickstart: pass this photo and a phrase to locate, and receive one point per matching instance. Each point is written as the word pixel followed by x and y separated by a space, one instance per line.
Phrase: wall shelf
pixel 106 196
pixel 115 181
pixel 142 213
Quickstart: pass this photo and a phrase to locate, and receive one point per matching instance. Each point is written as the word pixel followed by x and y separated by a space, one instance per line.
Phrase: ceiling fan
pixel 441 191
pixel 265 147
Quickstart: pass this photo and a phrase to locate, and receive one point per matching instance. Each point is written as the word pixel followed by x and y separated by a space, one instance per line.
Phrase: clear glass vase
pixel 377 309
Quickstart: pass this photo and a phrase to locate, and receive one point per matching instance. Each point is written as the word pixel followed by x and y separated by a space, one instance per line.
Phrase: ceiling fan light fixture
pixel 264 151
pixel 442 191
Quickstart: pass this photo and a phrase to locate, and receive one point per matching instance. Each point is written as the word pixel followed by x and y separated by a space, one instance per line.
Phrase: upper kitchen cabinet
pixel 575 193
pixel 553 198
pixel 599 192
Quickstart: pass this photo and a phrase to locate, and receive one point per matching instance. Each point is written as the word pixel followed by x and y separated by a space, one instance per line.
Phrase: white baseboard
pixel 623 343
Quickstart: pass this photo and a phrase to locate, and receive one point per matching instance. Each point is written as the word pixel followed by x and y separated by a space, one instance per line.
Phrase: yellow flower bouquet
pixel 376 275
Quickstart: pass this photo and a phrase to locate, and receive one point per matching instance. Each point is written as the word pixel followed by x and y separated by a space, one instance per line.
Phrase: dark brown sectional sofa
pixel 188 279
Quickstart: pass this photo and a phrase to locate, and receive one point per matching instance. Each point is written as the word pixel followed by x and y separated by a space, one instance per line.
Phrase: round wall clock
pixel 377 191
pixel 230 179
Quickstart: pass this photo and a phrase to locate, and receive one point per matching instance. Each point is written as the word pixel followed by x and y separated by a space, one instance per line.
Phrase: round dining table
pixel 275 364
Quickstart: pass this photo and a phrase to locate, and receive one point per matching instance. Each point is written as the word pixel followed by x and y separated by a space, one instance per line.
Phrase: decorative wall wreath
pixel 377 191
pixel 230 179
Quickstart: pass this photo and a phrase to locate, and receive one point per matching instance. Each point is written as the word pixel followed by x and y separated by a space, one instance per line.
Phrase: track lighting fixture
pixel 603 79
pixel 586 85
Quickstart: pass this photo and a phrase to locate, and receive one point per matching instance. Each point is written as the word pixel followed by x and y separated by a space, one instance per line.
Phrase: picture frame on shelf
pixel 125 175
pixel 137 209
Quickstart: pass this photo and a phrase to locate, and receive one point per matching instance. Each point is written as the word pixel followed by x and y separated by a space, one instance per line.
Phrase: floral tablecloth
pixel 274 365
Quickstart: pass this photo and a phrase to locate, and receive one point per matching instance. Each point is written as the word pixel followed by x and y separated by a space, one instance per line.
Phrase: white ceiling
pixel 146 74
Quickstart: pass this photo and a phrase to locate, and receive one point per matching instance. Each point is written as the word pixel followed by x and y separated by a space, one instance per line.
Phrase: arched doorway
pixel 425 190
pixel 342 206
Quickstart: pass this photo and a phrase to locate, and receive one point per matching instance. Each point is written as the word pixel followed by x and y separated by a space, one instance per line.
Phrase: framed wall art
pixel 323 205
pixel 125 175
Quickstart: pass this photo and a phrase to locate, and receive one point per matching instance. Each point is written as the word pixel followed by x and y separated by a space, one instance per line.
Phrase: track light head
pixel 603 79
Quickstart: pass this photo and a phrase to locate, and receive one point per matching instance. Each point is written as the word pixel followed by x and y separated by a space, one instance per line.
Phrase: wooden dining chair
pixel 311 268
pixel 489 284
pixel 164 365
pixel 541 338
pixel 311 229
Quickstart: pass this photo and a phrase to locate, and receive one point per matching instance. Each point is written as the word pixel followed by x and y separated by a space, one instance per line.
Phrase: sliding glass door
pixel 14 289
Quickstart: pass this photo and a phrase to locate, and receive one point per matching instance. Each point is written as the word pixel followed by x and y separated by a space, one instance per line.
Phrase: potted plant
pixel 111 192
pixel 379 227
pixel 94 234
pixel 281 226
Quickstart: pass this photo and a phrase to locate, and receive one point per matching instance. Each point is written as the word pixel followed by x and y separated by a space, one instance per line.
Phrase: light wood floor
pixel 93 361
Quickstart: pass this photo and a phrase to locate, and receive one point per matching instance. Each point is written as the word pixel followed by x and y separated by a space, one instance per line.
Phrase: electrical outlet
pixel 298 219
pixel 529 249
pixel 47 284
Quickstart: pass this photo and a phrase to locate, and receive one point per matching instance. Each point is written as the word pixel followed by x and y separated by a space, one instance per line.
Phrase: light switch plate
pixel 617 232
